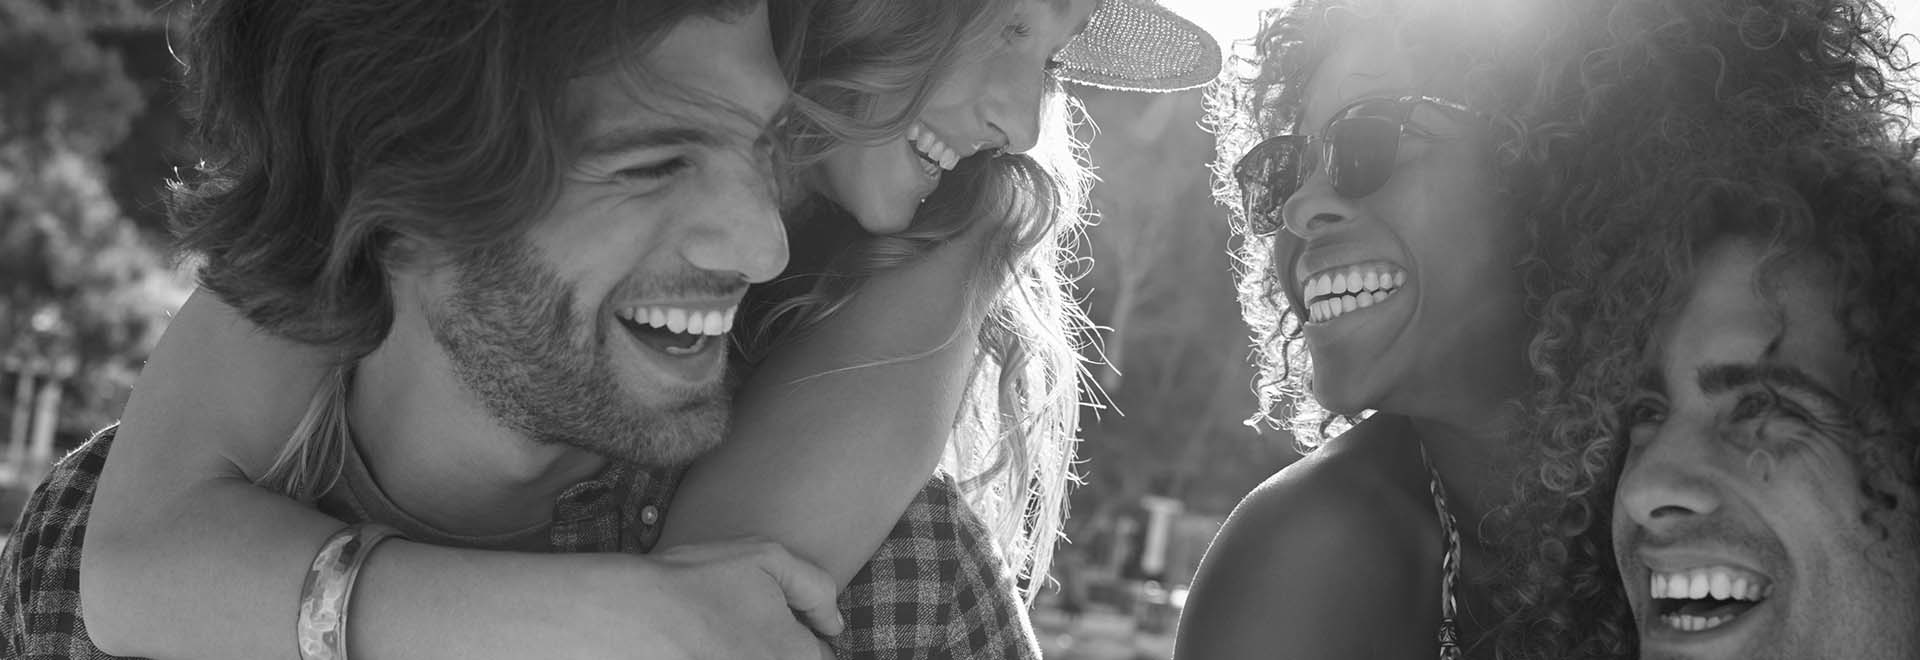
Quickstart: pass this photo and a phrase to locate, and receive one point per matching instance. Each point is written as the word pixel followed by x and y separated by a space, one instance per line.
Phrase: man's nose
pixel 1668 481
pixel 740 229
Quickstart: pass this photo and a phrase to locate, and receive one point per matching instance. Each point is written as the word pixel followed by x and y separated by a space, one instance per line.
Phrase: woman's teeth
pixel 936 153
pixel 681 320
pixel 1335 293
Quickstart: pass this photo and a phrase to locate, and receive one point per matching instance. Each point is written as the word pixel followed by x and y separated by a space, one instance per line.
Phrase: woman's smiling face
pixel 982 102
pixel 1409 292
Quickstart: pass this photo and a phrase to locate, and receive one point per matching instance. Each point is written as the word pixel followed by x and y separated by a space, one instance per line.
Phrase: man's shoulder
pixel 938 584
pixel 59 504
pixel 40 570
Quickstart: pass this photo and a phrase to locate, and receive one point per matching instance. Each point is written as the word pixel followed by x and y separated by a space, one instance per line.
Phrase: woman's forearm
pixel 827 446
pixel 185 558
pixel 221 579
pixel 196 580
pixel 201 563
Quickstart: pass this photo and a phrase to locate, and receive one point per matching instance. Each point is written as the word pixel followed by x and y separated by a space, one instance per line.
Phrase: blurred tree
pixel 82 292
pixel 1160 281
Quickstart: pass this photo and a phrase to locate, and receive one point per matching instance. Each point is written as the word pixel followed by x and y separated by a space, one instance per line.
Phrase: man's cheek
pixel 1793 454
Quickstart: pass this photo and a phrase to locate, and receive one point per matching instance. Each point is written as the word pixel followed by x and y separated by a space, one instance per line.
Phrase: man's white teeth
pixel 1691 623
pixel 682 320
pixel 929 145
pixel 1718 582
pixel 1332 293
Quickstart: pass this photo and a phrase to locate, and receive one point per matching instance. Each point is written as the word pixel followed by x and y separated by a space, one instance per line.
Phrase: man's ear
pixel 407 254
pixel 415 267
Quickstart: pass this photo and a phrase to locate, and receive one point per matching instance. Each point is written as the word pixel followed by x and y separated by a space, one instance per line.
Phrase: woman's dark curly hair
pixel 1703 119
pixel 1504 58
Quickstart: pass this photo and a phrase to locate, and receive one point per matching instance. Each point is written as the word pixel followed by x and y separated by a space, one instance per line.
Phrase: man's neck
pixel 437 453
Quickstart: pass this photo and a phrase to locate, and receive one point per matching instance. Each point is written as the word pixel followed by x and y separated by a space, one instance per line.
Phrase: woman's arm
pixel 185 558
pixel 1311 569
pixel 823 458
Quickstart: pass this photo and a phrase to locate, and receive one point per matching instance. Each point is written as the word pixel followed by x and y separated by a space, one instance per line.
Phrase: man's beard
pixel 514 337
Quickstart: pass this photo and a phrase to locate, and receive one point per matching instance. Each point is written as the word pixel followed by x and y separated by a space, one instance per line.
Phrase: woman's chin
pixel 881 186
pixel 879 215
pixel 1340 402
pixel 1340 387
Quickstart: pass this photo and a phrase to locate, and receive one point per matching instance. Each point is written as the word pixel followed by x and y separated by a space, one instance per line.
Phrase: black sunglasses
pixel 1359 150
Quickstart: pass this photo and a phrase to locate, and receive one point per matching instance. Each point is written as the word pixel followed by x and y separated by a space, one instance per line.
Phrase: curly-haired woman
pixel 1400 258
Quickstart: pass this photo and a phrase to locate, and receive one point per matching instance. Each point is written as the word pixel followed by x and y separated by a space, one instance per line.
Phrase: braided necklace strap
pixel 1449 635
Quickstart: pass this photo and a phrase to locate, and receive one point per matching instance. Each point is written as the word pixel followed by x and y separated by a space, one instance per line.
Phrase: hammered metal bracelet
pixel 325 593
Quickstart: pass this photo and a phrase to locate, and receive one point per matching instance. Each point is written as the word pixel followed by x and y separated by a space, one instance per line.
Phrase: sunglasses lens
pixel 1268 175
pixel 1364 153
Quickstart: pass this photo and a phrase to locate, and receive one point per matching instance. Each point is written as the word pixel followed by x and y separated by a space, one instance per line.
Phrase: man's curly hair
pixel 1769 119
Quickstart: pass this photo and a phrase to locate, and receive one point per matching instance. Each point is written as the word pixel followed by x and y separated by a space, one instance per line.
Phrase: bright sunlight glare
pixel 1234 20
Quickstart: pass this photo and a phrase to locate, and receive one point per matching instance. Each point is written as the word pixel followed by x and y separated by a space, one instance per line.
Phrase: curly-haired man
pixel 1769 503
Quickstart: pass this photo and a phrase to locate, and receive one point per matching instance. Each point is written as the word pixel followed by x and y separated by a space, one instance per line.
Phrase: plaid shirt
pixel 937 588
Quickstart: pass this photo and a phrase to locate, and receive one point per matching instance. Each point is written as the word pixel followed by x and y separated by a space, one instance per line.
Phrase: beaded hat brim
pixel 1138 45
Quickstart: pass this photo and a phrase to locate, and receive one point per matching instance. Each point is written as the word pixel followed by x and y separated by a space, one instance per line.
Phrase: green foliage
pixel 80 284
pixel 1160 280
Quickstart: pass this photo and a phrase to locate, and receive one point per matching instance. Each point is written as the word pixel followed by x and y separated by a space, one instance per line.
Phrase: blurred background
pixel 90 133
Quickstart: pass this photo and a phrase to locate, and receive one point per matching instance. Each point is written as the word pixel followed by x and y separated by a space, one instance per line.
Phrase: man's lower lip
pixel 692 368
pixel 1657 633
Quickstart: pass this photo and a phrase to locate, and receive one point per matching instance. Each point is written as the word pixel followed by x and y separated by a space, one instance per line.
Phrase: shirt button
pixel 649 514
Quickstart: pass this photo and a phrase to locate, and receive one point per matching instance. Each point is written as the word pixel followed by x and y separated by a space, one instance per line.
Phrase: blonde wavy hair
pixel 1014 444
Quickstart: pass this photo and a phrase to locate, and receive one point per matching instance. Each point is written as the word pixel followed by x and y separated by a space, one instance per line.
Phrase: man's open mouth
pixel 676 331
pixel 1705 598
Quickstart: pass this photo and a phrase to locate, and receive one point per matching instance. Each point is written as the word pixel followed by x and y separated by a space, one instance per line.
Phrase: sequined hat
pixel 1139 45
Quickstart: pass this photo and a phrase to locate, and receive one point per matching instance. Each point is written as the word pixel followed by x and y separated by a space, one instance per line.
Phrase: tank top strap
pixel 1449 635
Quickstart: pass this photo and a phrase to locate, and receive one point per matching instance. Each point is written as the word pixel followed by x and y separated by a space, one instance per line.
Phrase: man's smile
pixel 684 343
pixel 1706 597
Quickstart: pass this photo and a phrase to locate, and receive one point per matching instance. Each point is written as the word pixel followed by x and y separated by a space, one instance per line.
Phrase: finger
pixel 809 590
pixel 826 650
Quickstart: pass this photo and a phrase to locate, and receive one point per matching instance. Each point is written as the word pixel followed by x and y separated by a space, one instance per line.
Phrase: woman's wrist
pixel 327 592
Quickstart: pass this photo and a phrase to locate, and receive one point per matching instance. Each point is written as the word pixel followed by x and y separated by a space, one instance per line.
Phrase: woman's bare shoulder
pixel 1331 557
pixel 1338 497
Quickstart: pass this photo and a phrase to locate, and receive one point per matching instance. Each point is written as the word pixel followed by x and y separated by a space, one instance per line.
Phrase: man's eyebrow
pixel 1718 378
pixel 633 138
pixel 1650 380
